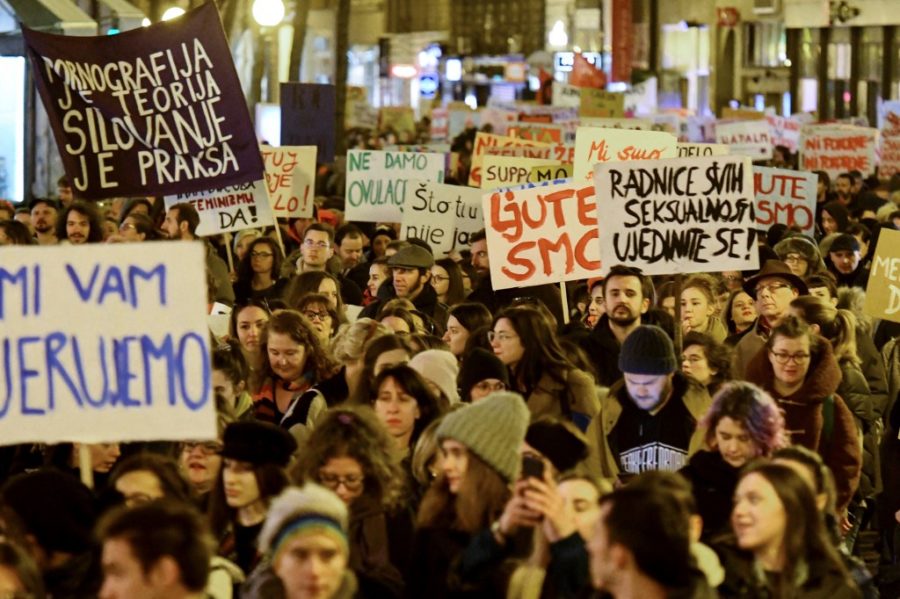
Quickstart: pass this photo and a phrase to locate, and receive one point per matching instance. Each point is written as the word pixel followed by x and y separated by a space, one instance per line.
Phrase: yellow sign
pixel 883 291
pixel 599 103
pixel 508 171
pixel 549 172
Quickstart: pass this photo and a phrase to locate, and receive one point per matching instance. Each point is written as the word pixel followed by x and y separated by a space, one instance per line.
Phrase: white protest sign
pixel 377 182
pixel 442 215
pixel 746 138
pixel 509 171
pixel 837 149
pixel 595 145
pixel 244 206
pixel 104 343
pixel 677 216
pixel 691 149
pixel 541 234
pixel 785 132
pixel 291 179
pixel 785 196
pixel 566 95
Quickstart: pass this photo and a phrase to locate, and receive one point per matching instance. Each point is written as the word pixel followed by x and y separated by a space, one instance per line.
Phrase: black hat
pixel 52 203
pixel 412 256
pixel 778 269
pixel 258 443
pixel 478 366
pixel 55 507
pixel 844 243
pixel 647 350
pixel 559 441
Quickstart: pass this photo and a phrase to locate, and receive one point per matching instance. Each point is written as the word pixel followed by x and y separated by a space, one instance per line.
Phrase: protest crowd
pixel 656 372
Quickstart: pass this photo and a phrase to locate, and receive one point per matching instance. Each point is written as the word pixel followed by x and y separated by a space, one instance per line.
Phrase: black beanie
pixel 480 365
pixel 55 507
pixel 559 441
pixel 647 350
pixel 258 443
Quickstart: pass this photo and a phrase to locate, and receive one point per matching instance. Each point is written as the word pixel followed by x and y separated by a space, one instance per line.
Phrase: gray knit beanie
pixel 493 429
pixel 647 350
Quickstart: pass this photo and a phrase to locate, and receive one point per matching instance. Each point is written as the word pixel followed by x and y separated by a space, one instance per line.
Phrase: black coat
pixel 714 481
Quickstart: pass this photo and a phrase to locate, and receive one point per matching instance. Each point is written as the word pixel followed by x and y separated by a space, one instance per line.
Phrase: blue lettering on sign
pixel 114 283
pixel 29 285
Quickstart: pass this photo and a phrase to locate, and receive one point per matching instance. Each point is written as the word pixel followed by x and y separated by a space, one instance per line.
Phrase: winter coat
pixel 713 481
pixel 804 419
pixel 436 557
pixel 370 542
pixel 854 390
pixel 426 302
pixel 495 301
pixel 687 390
pixel 602 347
pixel 575 399
pixel 754 339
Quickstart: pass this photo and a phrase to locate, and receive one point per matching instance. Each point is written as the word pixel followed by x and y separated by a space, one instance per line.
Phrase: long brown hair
pixel 838 326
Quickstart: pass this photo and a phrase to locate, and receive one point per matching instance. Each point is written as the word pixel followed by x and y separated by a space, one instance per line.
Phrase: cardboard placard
pixel 883 290
pixel 498 118
pixel 890 156
pixel 399 119
pixel 104 343
pixel 229 209
pixel 785 196
pixel 601 103
pixel 483 141
pixel 742 114
pixel 550 172
pixel 541 234
pixel 377 182
pixel 594 145
pixel 308 117
pixel 838 149
pixel 746 138
pixel 358 112
pixel 686 150
pixel 566 95
pixel 785 132
pixel 677 216
pixel 440 124
pixel 509 171
pixel 290 179
pixel 564 154
pixel 442 215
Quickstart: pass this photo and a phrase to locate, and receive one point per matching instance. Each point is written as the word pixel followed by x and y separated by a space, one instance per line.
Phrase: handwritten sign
pixel 377 182
pixel 550 172
pixel 785 196
pixel 890 155
pixel 228 209
pixel 678 216
pixel 291 179
pixel 566 95
pixel 508 171
pixel 547 153
pixel 483 141
pixel 542 234
pixel 838 149
pixel 785 132
pixel 308 116
pixel 152 111
pixel 442 215
pixel 883 290
pixel 540 132
pixel 746 138
pixel 104 343
pixel 440 123
pixel 593 145
pixel 742 114
pixel 686 150
pixel 399 119
pixel 600 103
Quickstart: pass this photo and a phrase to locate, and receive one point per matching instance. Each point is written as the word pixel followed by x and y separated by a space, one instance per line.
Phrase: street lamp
pixel 268 13
pixel 172 13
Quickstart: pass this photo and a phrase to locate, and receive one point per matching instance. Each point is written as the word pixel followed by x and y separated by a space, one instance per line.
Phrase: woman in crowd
pixel 801 255
pixel 242 241
pixel 481 374
pixel 397 319
pixel 12 232
pixel 446 278
pixel 782 547
pixel 247 325
pixel 464 319
pixel 137 226
pixel 143 477
pixel 255 455
pixel 739 314
pixel 348 349
pixel 230 379
pixel 440 371
pixel 381 352
pixel 352 454
pixel 316 281
pixel 539 369
pixel 480 462
pixel 323 318
pixel 295 363
pixel 258 273
pixel 383 236
pixel 698 308
pixel 707 361
pixel 800 371
pixel 378 274
pixel 21 577
pixel 742 424
pixel 404 404
pixel 103 457
pixel 834 218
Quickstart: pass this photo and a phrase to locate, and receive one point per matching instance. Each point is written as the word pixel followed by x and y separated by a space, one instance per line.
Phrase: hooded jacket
pixel 804 419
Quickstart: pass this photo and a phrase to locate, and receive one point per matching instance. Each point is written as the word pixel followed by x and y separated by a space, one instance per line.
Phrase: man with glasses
pixel 316 251
pixel 773 288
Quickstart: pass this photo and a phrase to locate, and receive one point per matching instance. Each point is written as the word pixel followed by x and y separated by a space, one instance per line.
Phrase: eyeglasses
pixel 351 482
pixel 207 447
pixel 322 245
pixel 489 387
pixel 321 316
pixel 784 358
pixel 771 288
pixel 440 278
pixel 794 259
pixel 261 254
pixel 501 337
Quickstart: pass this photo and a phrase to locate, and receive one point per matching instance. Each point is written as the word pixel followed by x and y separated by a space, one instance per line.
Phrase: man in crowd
pixel 648 420
pixel 43 220
pixel 158 550
pixel 79 223
pixel 181 223
pixel 350 242
pixel 845 262
pixel 411 279
pixel 773 288
pixel 64 191
pixel 843 189
pixel 315 252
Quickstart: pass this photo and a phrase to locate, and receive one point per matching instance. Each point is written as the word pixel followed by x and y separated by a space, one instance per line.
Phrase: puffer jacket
pixel 854 390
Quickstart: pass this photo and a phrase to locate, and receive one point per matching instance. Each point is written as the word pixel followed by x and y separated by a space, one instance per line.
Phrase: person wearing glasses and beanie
pixel 799 370
pixel 772 288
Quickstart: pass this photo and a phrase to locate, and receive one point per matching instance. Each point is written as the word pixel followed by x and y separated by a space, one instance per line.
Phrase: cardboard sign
pixel 399 119
pixel 600 103
pixel 377 182
pixel 442 215
pixel 677 216
pixel 291 179
pixel 550 172
pixel 566 95
pixel 785 132
pixel 883 290
pixel 483 141
pixel 838 149
pixel 461 119
pixel 358 113
pixel 104 343
pixel 440 124
pixel 785 196
pixel 593 145
pixel 153 111
pixel 746 138
pixel 541 234
pixel 229 209
pixel 508 171
pixel 540 132
pixel 686 150
pixel 564 154
pixel 308 116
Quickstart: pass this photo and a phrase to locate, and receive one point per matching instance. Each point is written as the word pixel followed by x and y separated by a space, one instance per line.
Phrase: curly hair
pixel 754 409
pixel 95 222
pixel 350 342
pixel 355 432
pixel 294 325
pixel 321 301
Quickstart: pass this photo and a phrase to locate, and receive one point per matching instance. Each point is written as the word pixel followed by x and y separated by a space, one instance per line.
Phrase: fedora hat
pixel 777 269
